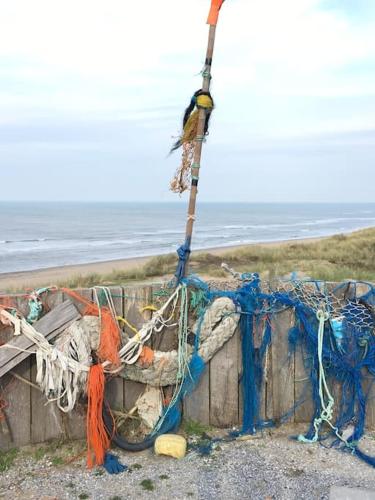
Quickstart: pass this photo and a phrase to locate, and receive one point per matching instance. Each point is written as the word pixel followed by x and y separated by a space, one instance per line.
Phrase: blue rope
pixel 112 464
pixel 183 253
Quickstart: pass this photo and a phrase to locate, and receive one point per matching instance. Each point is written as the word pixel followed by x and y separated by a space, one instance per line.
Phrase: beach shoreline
pixel 50 276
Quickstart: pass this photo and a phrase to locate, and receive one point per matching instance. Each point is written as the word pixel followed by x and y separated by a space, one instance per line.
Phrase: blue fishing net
pixel 334 328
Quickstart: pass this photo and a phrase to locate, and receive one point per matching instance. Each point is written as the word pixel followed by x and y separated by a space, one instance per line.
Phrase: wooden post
pixel 199 142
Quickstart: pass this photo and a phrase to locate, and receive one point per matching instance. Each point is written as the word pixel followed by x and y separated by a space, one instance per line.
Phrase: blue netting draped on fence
pixel 334 327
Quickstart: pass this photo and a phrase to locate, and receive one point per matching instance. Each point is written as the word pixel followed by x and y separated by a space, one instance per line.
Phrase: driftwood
pixel 50 325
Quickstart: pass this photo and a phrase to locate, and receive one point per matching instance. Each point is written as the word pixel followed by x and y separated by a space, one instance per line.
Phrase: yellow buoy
pixel 171 445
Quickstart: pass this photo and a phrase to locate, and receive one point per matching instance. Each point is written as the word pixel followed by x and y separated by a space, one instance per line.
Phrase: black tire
pixel 120 441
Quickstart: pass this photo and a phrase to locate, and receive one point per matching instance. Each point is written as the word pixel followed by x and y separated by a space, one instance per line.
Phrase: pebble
pixel 273 467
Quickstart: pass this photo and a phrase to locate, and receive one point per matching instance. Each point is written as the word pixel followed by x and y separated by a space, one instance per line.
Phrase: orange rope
pixel 146 357
pixel 109 338
pixel 109 329
pixel 97 438
pixel 91 308
pixel 7 302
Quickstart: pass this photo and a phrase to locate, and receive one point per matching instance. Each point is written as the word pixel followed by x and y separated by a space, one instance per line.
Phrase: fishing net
pixel 333 326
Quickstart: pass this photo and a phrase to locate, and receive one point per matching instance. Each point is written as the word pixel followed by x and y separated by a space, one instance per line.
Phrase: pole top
pixel 213 15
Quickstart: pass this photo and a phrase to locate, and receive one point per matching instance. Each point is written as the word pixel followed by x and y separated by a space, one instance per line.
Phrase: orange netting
pixel 7 302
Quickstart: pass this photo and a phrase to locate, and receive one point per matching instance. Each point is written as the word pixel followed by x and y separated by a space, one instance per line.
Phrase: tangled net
pixel 334 327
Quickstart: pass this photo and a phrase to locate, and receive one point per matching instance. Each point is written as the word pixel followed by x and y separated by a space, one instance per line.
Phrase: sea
pixel 41 235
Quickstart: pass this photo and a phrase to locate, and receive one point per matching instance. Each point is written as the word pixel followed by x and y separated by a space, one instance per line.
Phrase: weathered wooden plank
pixel 282 367
pixel 369 388
pixel 50 325
pixel 6 333
pixel 53 298
pixel 197 404
pixel 262 402
pixel 259 329
pixel 240 374
pixel 46 418
pixel 134 299
pixel 302 386
pixel 269 383
pixel 264 393
pixel 5 430
pixel 17 395
pixel 335 388
pixel 224 385
pixel 167 339
pixel 115 385
pixel 22 303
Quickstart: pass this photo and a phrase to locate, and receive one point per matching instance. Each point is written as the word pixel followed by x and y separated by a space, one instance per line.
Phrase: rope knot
pixel 322 315
pixel 183 253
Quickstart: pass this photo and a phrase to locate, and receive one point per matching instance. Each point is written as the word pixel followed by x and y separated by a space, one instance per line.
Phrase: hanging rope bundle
pixel 98 440
pixel 200 100
pixel 61 368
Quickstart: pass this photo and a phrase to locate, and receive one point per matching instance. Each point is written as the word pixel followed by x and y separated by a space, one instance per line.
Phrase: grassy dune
pixel 335 258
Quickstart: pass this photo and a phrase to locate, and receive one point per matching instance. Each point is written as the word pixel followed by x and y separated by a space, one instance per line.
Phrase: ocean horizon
pixel 39 235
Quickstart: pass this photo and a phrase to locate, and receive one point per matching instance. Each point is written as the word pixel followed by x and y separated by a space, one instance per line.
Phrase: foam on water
pixel 40 235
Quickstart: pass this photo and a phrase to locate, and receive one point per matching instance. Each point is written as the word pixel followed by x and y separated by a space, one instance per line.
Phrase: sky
pixel 92 93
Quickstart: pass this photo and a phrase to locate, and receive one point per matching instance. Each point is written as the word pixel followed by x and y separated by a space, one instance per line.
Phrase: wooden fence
pixel 216 401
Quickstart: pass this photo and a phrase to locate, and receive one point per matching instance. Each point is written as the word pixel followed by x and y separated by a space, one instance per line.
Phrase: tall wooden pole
pixel 198 143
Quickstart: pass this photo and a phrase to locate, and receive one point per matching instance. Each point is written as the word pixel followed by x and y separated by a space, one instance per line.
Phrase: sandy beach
pixel 26 280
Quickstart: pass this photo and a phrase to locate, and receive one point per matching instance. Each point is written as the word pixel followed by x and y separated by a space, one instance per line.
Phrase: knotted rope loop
pixel 327 401
pixel 183 253
pixel 322 316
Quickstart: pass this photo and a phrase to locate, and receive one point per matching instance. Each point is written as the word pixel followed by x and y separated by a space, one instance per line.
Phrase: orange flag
pixel 213 16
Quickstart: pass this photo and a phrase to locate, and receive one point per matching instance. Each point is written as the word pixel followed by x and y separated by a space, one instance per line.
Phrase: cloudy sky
pixel 92 93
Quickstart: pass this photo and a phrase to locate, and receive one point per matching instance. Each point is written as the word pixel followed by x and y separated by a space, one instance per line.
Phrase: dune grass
pixel 335 258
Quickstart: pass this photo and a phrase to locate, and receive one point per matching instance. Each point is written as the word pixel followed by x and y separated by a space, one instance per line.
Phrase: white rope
pixel 57 373
pixel 219 323
pixel 108 298
pixel 326 414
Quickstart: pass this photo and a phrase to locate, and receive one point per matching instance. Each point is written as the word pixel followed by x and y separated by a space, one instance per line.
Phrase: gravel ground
pixel 271 466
